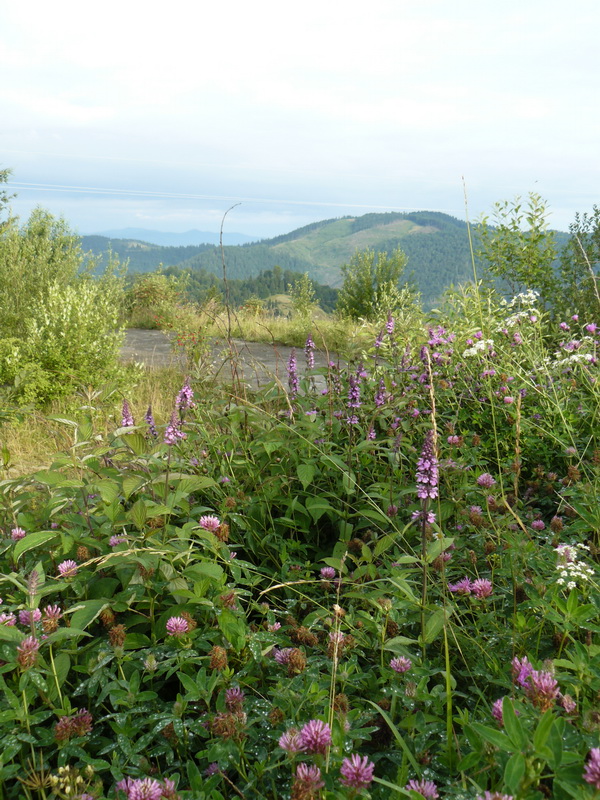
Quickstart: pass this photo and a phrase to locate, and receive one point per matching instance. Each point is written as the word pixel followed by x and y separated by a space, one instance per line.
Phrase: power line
pixel 99 190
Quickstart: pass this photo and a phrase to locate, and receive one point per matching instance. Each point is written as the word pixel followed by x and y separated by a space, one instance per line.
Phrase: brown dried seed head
pixel 222 532
pixel 116 635
pixel 218 658
pixel 296 662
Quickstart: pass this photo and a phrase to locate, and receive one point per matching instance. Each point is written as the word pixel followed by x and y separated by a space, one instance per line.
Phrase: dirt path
pixel 258 363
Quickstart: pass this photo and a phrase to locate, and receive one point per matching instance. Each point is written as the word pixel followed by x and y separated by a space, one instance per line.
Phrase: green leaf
pixel 494 737
pixel 317 506
pixel 512 725
pixel 138 514
pixel 62 665
pixel 305 473
pixel 136 442
pixel 31 541
pixel 203 570
pixel 131 484
pixel 514 772
pixel 136 641
pixel 398 644
pixel 383 544
pixel 65 633
pixel 9 633
pixel 433 626
pixel 398 737
pixel 194 483
pixel 109 490
pixel 542 730
pixel 86 612
pixel 349 482
pixel 232 628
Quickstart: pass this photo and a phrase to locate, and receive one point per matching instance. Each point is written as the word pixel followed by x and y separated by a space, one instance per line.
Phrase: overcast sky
pixel 115 115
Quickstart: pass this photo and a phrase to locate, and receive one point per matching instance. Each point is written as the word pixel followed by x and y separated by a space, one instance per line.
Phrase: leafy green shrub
pixel 60 326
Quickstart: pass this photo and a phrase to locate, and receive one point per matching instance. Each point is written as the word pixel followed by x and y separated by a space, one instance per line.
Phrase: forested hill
pixel 437 246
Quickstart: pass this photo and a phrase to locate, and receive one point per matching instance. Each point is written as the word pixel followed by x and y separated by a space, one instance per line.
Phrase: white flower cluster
pixel 524 299
pixel 481 346
pixel 569 567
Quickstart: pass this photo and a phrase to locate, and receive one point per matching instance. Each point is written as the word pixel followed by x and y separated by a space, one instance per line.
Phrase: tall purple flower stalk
pixel 127 420
pixel 309 352
pixel 427 470
pixel 173 431
pixel 185 397
pixel 149 418
pixel 427 489
pixel 292 368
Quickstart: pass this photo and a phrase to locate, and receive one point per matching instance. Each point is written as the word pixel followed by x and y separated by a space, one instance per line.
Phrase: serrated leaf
pixel 138 514
pixel 305 473
pixel 203 570
pixel 131 484
pixel 135 441
pixel 384 544
pixel 232 628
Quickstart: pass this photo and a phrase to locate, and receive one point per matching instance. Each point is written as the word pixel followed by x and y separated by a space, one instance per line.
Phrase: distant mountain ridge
pixel 437 246
pixel 190 238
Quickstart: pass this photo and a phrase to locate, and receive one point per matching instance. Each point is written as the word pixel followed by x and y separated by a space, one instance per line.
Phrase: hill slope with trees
pixel 436 244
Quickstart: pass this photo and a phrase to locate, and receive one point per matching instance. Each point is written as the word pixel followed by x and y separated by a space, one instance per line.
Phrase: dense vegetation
pixel 378 579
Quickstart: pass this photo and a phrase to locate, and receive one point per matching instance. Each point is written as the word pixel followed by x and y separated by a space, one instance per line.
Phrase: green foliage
pixel 579 265
pixel 371 285
pixel 152 299
pixel 198 573
pixel 519 248
pixel 302 294
pixel 58 326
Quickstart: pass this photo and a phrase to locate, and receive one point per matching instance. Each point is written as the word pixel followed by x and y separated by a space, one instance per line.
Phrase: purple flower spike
pixel 149 418
pixel 127 420
pixel 173 431
pixel 292 369
pixel 185 398
pixel 427 470
pixel 309 352
pixel 357 772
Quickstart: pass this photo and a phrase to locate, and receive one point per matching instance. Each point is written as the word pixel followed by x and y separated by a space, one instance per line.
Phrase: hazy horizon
pixel 124 117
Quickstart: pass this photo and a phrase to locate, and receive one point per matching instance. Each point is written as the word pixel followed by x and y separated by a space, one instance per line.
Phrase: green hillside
pixel 141 256
pixel 437 246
